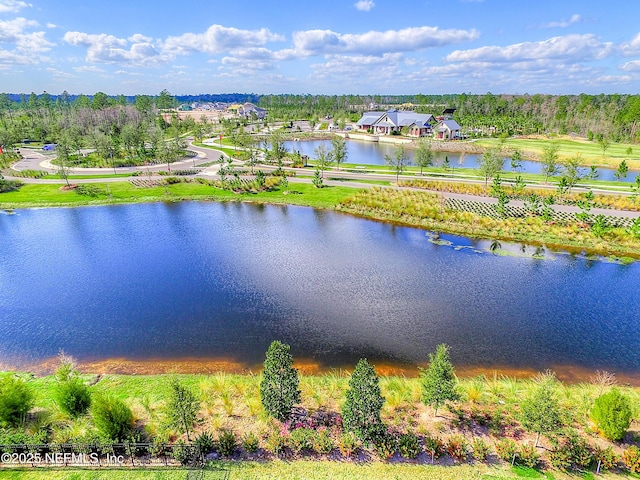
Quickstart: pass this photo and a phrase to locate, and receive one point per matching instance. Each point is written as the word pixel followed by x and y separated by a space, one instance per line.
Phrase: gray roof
pixel 449 124
pixel 370 118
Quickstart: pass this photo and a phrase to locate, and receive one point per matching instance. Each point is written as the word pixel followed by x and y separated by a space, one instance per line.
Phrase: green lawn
pixel 591 152
pixel 48 195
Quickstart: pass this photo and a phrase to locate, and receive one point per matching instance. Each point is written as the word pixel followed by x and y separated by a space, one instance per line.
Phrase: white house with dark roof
pixel 448 130
pixel 386 123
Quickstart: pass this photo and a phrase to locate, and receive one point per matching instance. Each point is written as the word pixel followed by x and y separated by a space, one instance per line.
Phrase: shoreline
pixel 568 374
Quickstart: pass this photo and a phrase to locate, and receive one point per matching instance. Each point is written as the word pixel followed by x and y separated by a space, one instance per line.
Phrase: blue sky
pixel 322 47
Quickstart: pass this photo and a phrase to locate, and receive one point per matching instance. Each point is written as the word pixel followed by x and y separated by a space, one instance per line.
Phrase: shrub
pixel 302 439
pixel 323 443
pixel 16 399
pixel 528 456
pixel 570 452
pixel 361 409
pixel 612 413
pixel 631 459
pixel 203 444
pixel 480 449
pixel 433 446
pixel 276 442
pixel 183 453
pixel 348 443
pixel 250 442
pixel 506 450
pixel 9 185
pixel 89 190
pixel 607 458
pixel 457 447
pixel 409 445
pixel 227 443
pixel 279 386
pixel 386 445
pixel 112 417
pixel 172 180
pixel 73 397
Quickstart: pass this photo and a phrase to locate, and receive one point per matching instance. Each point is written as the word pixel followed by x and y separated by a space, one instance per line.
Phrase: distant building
pixel 392 121
pixel 248 110
pixel 448 130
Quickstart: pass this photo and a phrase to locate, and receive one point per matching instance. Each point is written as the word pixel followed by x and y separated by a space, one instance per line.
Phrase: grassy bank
pixel 591 152
pixel 49 195
pixel 427 210
pixel 489 410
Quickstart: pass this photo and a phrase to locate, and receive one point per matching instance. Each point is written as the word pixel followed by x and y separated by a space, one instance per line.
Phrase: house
pixel 248 110
pixel 448 130
pixel 395 121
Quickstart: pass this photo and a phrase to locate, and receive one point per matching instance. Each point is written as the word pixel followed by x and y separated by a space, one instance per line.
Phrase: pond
pixel 372 153
pixel 222 280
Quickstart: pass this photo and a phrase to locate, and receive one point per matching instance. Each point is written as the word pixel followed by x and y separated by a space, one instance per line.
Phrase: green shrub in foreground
pixel 112 417
pixel 612 413
pixel 73 397
pixel 16 399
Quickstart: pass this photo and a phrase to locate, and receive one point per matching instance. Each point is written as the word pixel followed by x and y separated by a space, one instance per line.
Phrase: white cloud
pixel 88 69
pixel 632 66
pixel 364 5
pixel 569 48
pixel 13 31
pixel 632 47
pixel 319 42
pixel 575 18
pixel 103 48
pixel 59 73
pixel 12 6
pixel 219 40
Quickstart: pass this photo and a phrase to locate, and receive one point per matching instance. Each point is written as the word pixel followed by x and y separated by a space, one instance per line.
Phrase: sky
pixel 330 47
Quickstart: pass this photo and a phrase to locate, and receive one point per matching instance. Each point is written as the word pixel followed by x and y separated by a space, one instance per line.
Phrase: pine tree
pixel 182 407
pixel 361 410
pixel 439 381
pixel 279 386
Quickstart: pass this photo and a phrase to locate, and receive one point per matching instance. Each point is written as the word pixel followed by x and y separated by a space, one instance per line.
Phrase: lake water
pixel 372 153
pixel 222 280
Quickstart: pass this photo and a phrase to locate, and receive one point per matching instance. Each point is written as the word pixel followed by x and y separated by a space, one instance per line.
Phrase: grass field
pixel 49 195
pixel 298 470
pixel 591 152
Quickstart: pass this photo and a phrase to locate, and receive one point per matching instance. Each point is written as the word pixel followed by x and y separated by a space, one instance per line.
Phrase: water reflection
pixel 225 279
pixel 372 153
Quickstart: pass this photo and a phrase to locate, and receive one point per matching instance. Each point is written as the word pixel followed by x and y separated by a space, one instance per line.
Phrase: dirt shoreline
pixel 570 374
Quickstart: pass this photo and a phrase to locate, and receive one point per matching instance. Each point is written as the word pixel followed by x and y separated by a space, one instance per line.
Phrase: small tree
pixel 491 164
pixel 399 161
pixel 71 393
pixel 612 413
pixel 424 154
pixel 439 380
pixel 622 171
pixel 550 160
pixel 279 386
pixel 317 178
pixel 540 410
pixel 182 407
pixel 112 417
pixel 363 402
pixel 339 152
pixel 16 399
pixel 324 159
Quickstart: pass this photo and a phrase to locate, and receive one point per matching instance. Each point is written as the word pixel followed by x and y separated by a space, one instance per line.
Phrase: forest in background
pixel 615 117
